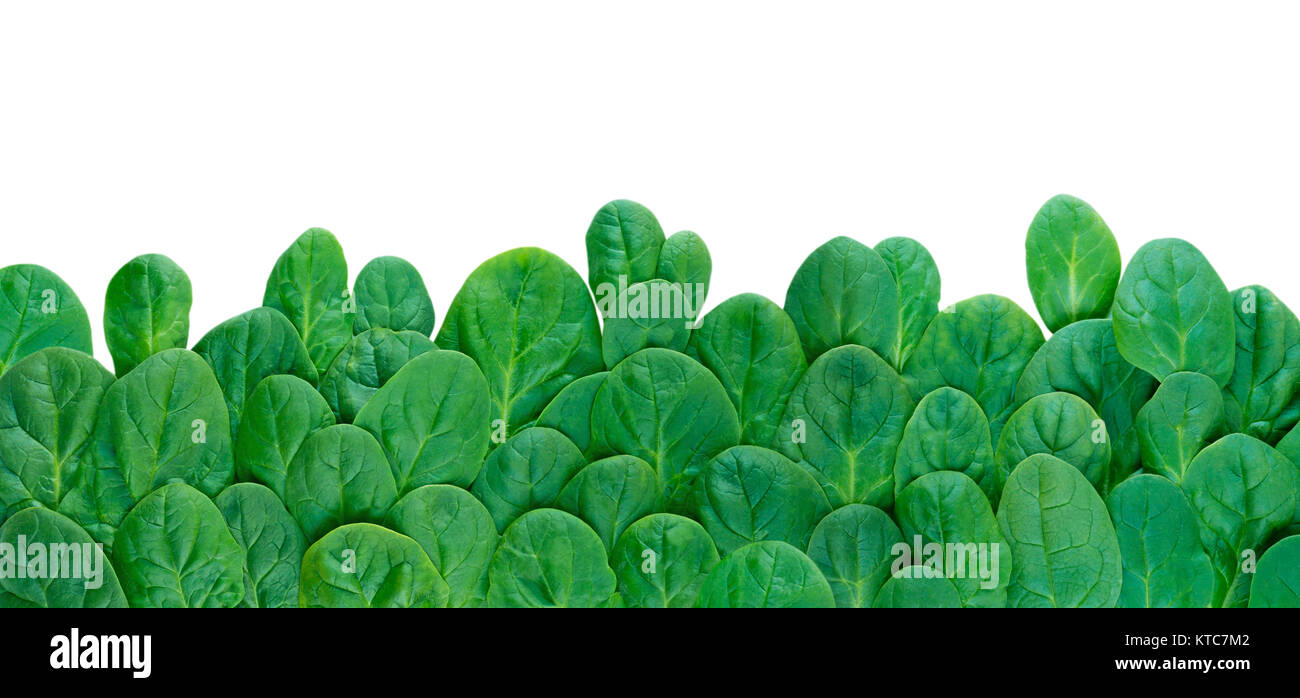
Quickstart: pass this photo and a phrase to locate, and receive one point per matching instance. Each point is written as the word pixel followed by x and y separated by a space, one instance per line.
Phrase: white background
pixel 448 133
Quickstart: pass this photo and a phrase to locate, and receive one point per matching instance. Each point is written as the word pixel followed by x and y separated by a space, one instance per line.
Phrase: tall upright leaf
pixel 623 240
pixel 918 291
pixel 309 284
pixel 1073 262
pixel 844 293
pixel 146 310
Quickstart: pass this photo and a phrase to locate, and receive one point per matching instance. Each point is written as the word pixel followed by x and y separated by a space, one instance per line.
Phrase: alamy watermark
pixel 36 560
pixel 651 300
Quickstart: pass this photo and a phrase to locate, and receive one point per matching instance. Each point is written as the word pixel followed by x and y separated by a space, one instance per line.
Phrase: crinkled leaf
pixel 854 548
pixel 365 364
pixel 338 476
pixel 749 493
pixel 390 293
pixel 362 565
pixel 527 472
pixel 456 532
pixel 661 561
pixel 610 494
pixel 948 431
pixel 844 293
pixel 550 559
pixel 272 542
pixel 766 574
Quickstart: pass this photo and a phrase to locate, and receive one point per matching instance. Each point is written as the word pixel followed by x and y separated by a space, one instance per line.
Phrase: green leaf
pixel 1242 491
pixel 527 472
pixel 1276 583
pixel 1263 382
pixel 1073 262
pixel 146 310
pixel 661 561
pixel 1082 359
pixel 854 548
pixel 918 291
pixel 657 316
pixel 390 293
pixel 844 422
pixel 431 418
pixel 948 431
pixel 1061 425
pixel 749 493
pixel 684 259
pixel 669 411
pixel 165 421
pixel 338 476
pixel 623 240
pixel 570 411
pixel 1063 545
pixel 175 551
pixel 549 559
pixel 610 494
pixel 1173 313
pixel 979 346
pixel 1164 565
pixel 38 310
pixel 280 413
pixel 753 348
pixel 456 532
pixel 309 284
pixel 527 320
pixel 1184 415
pixel 365 364
pixel 249 347
pixel 273 544
pixel 48 404
pixel 844 293
pixel 766 574
pixel 362 565
pixel 947 508
pixel 918 587
pixel 22 586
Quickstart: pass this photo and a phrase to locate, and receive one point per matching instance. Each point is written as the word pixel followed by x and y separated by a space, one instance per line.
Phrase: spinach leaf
pixel 48 403
pixel 550 559
pixel 948 509
pixel 662 560
pixel 1073 262
pixel 749 493
pixel 164 421
pixel 175 551
pixel 979 346
pixel 918 587
pixel 844 293
pixel 1267 365
pixel 431 418
pixel 948 431
pixel 1276 582
pixel 527 472
pixel 656 317
pixel 1159 545
pixel 570 411
pixel 38 310
pixel 280 413
pixel 766 574
pixel 391 294
pixel 669 411
pixel 249 347
pixel 1173 313
pixel 1064 547
pixel 527 320
pixel 24 587
pixel 918 291
pixel 844 421
pixel 1061 425
pixel 273 544
pixel 146 310
pixel 362 565
pixel 684 259
pixel 853 546
pixel 623 240
pixel 1243 491
pixel 610 494
pixel 365 364
pixel 309 284
pixel 753 348
pixel 456 532
pixel 1184 415
pixel 1082 359
pixel 339 476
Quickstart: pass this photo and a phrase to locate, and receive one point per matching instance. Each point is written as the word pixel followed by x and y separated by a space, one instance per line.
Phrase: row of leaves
pixel 322 450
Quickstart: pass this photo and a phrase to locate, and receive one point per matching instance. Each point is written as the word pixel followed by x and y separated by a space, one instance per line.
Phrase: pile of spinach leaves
pixel 602 442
